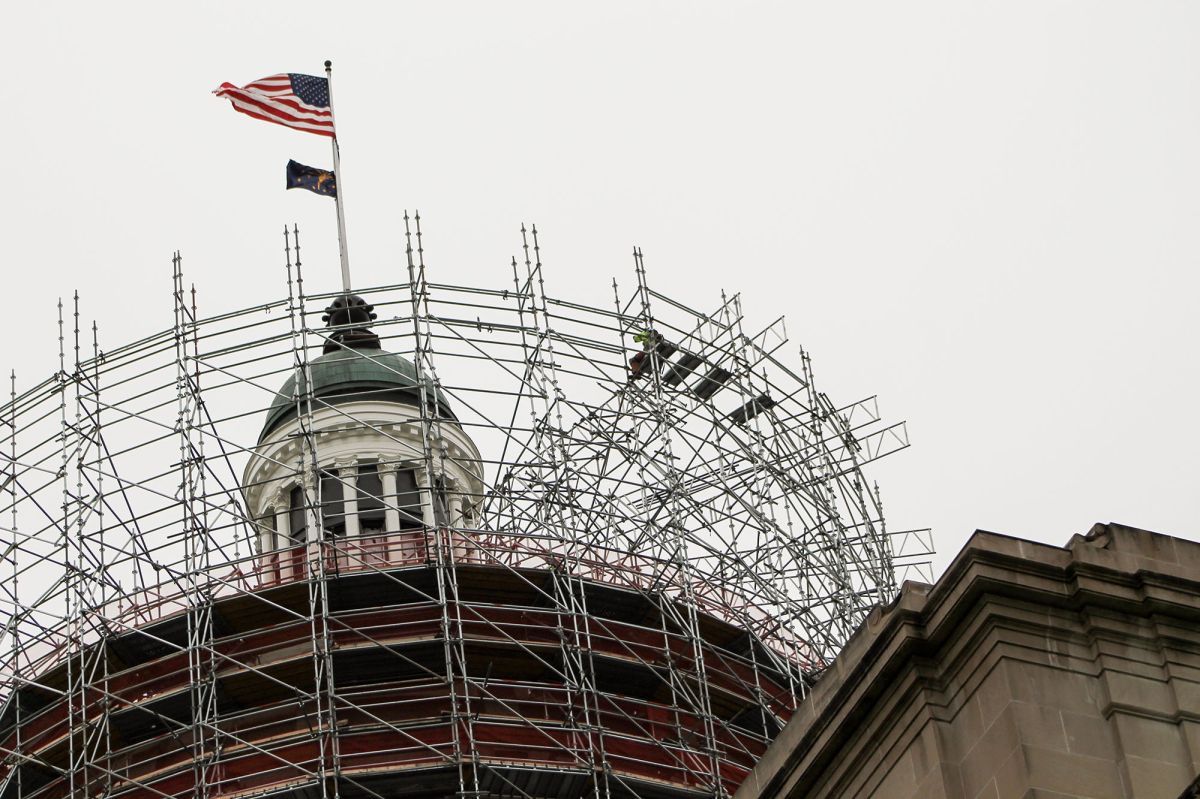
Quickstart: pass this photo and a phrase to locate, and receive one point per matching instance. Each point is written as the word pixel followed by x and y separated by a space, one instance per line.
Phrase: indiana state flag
pixel 315 180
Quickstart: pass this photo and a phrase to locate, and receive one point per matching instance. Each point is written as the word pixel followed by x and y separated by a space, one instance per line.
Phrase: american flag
pixel 297 101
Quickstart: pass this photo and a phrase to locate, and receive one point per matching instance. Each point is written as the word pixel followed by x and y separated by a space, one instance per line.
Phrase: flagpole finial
pixel 328 65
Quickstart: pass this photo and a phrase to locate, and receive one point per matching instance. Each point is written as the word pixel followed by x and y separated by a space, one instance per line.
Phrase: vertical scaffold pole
pixel 106 593
pixel 16 621
pixel 71 646
pixel 196 541
pixel 438 535
pixel 550 447
pixel 89 567
pixel 320 551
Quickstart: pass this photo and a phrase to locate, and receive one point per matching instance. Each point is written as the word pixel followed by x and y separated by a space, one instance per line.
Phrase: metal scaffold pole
pixel 321 555
pixel 15 621
pixel 193 498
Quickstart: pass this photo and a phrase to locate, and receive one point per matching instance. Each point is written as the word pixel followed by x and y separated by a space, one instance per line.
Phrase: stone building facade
pixel 1028 670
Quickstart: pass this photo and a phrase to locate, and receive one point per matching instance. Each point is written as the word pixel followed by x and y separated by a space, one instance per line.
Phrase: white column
pixel 313 533
pixel 265 563
pixel 349 549
pixel 266 536
pixel 283 525
pixel 428 537
pixel 398 549
pixel 454 519
pixel 280 534
pixel 391 513
pixel 283 536
pixel 425 486
pixel 348 473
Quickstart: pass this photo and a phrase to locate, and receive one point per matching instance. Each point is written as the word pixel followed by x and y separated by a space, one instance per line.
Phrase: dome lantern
pixel 358 437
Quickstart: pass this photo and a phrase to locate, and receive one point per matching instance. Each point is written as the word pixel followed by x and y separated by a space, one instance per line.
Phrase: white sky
pixel 982 212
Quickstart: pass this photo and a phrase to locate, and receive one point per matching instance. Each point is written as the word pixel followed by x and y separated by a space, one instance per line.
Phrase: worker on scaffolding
pixel 650 340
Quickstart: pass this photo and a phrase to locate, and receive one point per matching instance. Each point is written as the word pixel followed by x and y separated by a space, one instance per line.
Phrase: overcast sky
pixel 985 213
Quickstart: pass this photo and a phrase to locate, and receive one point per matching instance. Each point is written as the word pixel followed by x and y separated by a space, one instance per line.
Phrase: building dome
pixel 360 461
pixel 354 373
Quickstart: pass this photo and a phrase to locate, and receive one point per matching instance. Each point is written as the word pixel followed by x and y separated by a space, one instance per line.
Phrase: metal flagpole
pixel 337 180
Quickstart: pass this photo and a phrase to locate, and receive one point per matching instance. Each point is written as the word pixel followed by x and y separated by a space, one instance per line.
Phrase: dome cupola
pixel 355 455
pixel 352 367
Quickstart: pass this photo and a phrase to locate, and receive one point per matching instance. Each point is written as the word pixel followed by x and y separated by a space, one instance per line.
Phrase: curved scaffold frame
pixel 658 534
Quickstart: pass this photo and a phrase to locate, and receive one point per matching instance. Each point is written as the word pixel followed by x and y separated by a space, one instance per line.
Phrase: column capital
pixel 345 464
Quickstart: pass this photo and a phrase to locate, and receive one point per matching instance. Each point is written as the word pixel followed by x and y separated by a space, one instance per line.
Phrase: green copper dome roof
pixel 354 375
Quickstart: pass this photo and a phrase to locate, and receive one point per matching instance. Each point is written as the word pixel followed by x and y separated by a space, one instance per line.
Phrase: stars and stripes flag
pixel 296 101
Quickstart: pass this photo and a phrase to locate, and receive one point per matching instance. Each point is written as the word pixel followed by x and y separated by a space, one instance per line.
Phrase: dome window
pixel 408 500
pixel 371 516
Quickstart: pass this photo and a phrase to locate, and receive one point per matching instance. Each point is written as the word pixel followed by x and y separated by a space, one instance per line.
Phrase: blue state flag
pixel 318 181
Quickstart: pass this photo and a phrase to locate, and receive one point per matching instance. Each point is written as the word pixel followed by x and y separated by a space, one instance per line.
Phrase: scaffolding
pixel 669 535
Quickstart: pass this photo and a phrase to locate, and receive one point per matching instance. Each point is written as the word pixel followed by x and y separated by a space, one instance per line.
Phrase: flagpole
pixel 337 180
